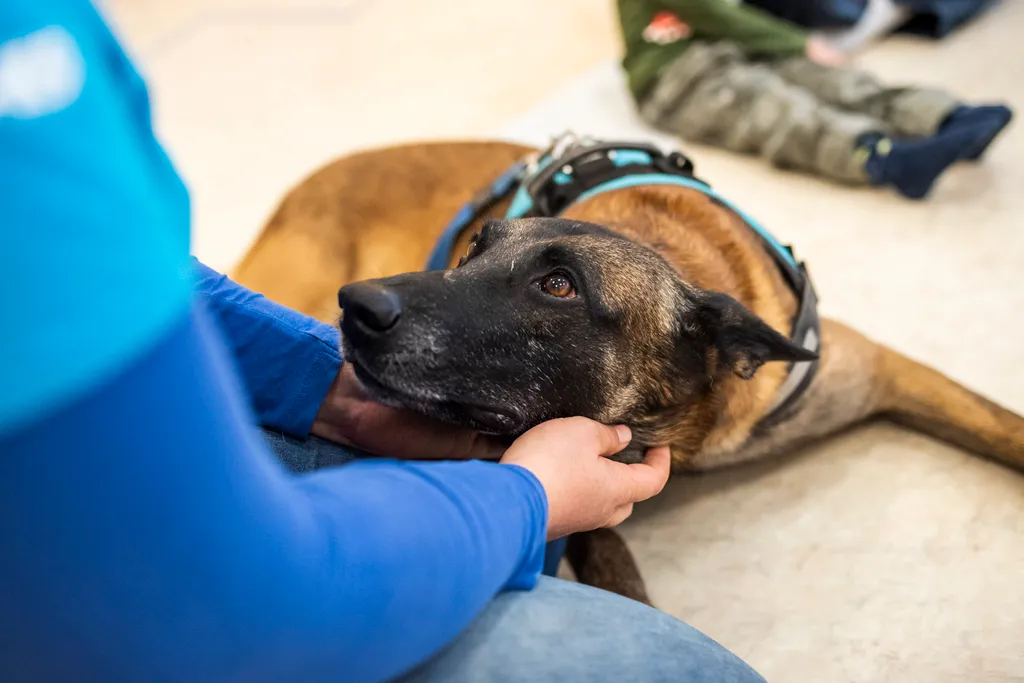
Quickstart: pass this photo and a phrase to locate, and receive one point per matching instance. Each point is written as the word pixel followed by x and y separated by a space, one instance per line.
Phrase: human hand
pixel 348 416
pixel 585 489
pixel 821 52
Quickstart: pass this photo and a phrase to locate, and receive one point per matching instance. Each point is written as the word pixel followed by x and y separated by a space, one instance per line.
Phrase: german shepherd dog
pixel 650 306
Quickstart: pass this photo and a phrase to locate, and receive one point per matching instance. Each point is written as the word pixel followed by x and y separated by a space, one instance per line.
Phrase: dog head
pixel 549 318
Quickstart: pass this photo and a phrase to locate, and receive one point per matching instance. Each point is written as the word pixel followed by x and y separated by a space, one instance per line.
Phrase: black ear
pixel 744 341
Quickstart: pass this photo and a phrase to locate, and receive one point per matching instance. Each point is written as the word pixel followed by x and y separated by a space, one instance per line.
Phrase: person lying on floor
pixel 725 74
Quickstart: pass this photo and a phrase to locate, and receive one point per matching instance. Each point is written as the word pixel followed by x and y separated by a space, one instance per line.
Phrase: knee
pixel 565 631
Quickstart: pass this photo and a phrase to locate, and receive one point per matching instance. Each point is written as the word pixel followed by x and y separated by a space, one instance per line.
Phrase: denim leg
pixel 553 554
pixel 564 632
pixel 559 631
pixel 311 453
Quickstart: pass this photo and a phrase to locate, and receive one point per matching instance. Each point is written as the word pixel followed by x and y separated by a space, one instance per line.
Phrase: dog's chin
pixel 491 420
pixel 395 393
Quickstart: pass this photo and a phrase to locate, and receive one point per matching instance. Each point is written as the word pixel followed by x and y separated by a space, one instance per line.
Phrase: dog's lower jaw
pixel 484 419
pixel 499 422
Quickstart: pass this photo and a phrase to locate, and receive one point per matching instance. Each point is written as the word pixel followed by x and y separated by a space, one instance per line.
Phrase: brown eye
pixel 470 250
pixel 558 285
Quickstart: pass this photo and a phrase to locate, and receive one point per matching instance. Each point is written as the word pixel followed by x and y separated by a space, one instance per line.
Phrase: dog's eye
pixel 558 285
pixel 471 251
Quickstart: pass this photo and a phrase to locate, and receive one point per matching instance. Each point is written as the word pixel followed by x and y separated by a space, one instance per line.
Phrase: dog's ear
pixel 744 341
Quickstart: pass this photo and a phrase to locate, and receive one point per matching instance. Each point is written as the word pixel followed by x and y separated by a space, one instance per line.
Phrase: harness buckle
pixel 575 164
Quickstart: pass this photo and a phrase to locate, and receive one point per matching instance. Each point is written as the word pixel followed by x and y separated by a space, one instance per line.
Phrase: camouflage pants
pixel 795 113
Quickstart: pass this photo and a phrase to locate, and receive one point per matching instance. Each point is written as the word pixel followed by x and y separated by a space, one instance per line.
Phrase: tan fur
pixel 364 216
pixel 379 213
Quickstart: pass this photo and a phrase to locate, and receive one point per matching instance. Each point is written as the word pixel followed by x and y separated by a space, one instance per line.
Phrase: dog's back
pixel 368 215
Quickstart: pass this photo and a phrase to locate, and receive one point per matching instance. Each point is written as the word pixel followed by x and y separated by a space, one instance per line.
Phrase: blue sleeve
pixel 287 360
pixel 147 534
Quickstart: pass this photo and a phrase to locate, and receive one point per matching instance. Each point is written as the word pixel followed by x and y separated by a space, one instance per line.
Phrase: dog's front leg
pixel 601 559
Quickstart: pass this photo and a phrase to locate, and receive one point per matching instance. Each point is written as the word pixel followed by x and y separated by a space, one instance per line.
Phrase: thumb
pixel 610 440
pixel 650 476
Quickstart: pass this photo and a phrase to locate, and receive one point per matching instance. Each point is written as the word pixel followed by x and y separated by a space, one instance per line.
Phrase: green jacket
pixel 650 44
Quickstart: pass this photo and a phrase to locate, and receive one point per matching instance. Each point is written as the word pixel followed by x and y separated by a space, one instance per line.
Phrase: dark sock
pixel 912 166
pixel 985 123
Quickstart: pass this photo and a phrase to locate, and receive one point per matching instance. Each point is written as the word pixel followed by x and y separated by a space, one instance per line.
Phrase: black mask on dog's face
pixel 549 318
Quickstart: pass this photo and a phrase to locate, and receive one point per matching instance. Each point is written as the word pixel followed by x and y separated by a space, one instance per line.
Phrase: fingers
pixel 609 440
pixel 620 515
pixel 582 432
pixel 650 476
pixel 648 479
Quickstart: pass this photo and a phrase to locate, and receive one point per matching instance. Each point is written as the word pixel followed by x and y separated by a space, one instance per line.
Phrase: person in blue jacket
pixel 147 532
pixel 933 18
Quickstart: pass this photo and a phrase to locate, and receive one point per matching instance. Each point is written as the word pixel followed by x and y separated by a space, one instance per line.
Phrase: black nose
pixel 376 307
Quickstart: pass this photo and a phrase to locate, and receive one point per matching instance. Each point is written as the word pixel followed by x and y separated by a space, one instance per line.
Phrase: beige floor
pixel 877 556
pixel 250 95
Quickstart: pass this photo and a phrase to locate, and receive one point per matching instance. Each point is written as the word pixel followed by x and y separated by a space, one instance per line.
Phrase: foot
pixel 913 166
pixel 985 122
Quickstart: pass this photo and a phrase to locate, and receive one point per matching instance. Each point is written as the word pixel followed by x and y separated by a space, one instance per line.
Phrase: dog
pixel 654 306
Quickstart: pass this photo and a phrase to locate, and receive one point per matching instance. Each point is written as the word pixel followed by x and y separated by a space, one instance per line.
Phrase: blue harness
pixel 632 165
pixel 573 170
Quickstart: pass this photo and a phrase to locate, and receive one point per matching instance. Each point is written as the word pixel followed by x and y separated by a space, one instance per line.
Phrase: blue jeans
pixel 560 631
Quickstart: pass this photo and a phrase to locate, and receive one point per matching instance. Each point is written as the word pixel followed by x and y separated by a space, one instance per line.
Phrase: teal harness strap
pixel 618 166
pixel 681 181
pixel 484 200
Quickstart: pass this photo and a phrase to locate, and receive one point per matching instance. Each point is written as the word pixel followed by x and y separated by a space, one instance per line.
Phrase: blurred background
pixel 252 95
pixel 879 555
